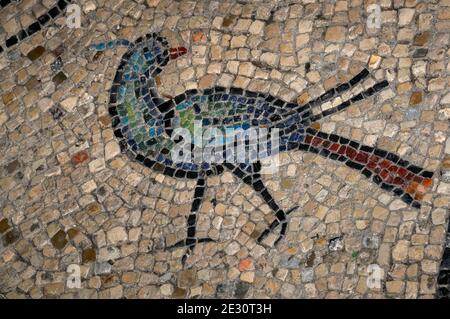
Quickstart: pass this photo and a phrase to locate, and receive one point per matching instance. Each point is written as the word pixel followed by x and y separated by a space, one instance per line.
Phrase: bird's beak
pixel 177 52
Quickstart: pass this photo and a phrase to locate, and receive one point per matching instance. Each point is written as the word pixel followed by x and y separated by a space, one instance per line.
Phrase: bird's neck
pixel 145 67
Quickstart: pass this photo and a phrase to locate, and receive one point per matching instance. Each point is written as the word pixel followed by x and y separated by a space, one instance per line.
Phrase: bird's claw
pixel 278 221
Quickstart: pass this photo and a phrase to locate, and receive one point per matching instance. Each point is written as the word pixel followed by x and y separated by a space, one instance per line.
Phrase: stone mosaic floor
pixel 89 204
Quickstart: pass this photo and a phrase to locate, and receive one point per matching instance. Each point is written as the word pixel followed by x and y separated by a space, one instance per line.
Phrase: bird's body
pixel 216 110
pixel 146 121
pixel 147 128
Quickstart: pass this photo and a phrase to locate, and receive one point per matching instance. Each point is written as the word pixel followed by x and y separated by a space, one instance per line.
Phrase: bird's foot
pixel 281 219
pixel 190 244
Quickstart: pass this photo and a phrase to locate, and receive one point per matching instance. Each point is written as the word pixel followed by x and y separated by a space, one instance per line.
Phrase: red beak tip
pixel 177 52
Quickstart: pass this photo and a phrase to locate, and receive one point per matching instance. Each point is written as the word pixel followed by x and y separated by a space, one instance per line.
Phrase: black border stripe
pixel 36 26
pixel 4 3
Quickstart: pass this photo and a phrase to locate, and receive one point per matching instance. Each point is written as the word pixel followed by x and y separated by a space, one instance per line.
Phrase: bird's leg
pixel 254 180
pixel 191 240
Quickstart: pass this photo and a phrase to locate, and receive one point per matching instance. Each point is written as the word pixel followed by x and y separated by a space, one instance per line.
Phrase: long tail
pixel 386 169
pixel 363 95
pixel 341 88
pixel 316 109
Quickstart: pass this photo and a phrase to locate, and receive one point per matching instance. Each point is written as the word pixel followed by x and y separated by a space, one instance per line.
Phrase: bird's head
pixel 157 48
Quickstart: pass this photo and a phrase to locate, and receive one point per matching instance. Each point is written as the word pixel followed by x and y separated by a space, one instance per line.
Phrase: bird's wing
pixel 140 126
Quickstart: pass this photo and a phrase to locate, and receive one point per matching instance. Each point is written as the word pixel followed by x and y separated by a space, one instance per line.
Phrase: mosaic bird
pixel 144 124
